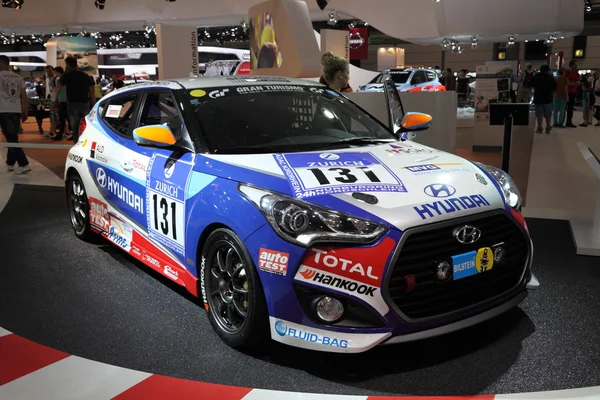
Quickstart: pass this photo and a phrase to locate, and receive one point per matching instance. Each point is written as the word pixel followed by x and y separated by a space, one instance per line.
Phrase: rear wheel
pixel 232 291
pixel 79 208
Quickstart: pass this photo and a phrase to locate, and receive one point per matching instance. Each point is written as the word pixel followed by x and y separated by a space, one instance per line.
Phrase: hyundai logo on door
pixel 439 190
pixel 467 234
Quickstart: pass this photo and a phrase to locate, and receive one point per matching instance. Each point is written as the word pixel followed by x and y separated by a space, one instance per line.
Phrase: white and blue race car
pixel 295 215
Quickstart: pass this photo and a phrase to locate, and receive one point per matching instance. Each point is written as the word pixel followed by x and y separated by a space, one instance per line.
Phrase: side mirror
pixel 414 121
pixel 154 135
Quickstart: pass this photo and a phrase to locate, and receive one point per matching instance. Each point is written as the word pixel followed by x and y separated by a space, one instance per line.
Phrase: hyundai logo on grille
pixel 467 234
pixel 439 190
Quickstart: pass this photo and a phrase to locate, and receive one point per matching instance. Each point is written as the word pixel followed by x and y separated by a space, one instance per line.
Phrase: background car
pixel 294 215
pixel 406 80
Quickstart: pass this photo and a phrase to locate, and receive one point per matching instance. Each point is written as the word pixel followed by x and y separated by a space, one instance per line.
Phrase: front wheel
pixel 79 208
pixel 232 291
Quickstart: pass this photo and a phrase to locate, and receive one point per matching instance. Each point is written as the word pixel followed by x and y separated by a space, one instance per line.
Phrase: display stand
pixel 586 234
pixel 508 114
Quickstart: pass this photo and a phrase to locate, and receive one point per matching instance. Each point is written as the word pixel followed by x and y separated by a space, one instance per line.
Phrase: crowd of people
pixel 72 94
pixel 555 96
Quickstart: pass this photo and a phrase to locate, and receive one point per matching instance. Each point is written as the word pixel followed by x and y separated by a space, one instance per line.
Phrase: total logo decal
pixel 357 272
pixel 274 262
pixel 283 329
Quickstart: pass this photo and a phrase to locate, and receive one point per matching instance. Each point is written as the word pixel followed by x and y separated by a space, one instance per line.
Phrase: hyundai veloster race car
pixel 293 214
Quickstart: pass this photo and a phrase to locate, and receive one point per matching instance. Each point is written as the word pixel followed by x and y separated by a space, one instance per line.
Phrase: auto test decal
pixel 314 174
pixel 358 272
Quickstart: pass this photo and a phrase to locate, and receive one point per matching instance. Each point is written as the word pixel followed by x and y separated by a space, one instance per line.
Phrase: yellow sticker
pixel 197 93
pixel 484 260
pixel 84 143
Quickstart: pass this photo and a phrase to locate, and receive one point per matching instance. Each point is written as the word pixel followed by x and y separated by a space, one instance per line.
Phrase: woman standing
pixel 336 72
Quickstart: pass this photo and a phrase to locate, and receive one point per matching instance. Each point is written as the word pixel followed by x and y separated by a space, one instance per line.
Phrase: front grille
pixel 422 250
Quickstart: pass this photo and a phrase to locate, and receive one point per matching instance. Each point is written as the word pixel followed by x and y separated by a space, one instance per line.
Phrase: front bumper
pixel 291 323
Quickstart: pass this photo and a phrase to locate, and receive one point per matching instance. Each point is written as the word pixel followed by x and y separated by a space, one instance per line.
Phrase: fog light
pixel 443 270
pixel 329 309
pixel 499 254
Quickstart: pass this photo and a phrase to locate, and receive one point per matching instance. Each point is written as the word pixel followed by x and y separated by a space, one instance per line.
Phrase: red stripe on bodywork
pixel 20 357
pixel 162 387
pixel 184 278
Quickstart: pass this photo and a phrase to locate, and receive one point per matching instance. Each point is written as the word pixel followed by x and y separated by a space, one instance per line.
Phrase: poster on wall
pixel 264 51
pixel 273 25
pixel 492 86
pixel 83 49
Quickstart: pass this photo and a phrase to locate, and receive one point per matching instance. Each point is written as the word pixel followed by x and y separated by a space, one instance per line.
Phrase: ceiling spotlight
pixel 100 4
pixel 366 23
pixel 474 42
pixel 588 5
pixel 333 19
pixel 351 25
pixel 511 41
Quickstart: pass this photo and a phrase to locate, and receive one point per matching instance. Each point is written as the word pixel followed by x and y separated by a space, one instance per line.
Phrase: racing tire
pixel 79 209
pixel 232 293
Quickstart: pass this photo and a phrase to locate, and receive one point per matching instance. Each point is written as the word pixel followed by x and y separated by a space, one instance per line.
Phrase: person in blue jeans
pixel 561 97
pixel 544 87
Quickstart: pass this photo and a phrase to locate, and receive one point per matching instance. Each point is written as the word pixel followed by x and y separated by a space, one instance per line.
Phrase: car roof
pixel 237 80
pixel 217 81
pixel 408 69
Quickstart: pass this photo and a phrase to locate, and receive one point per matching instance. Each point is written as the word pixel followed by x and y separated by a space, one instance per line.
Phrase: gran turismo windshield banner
pixel 200 95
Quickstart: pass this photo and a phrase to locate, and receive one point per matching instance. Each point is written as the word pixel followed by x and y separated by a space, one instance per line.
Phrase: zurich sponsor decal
pixel 124 194
pixel 300 334
pixel 315 174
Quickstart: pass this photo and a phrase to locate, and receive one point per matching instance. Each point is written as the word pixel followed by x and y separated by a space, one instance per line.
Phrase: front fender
pixel 220 202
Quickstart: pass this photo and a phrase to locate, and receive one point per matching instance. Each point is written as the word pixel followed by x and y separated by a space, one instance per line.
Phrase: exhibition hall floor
pixel 94 302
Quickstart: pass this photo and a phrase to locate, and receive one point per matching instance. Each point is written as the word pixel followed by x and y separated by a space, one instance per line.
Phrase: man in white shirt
pixel 13 111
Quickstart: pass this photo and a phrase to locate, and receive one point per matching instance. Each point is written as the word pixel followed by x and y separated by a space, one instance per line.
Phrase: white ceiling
pixel 419 21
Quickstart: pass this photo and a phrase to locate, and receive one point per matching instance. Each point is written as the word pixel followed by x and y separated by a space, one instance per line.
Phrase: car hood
pixel 412 184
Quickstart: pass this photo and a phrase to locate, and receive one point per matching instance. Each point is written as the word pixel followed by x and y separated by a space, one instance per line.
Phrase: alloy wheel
pixel 78 205
pixel 228 295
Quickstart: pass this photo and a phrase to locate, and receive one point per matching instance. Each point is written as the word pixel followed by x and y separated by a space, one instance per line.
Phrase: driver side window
pixel 119 113
pixel 160 108
pixel 419 77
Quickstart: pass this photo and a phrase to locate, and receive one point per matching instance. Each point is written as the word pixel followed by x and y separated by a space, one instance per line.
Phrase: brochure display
pixel 586 234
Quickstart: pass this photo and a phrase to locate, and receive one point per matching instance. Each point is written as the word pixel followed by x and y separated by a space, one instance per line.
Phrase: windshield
pixel 282 118
pixel 400 77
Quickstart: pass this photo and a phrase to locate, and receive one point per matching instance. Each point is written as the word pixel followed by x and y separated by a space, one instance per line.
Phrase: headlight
pixel 302 223
pixel 512 196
